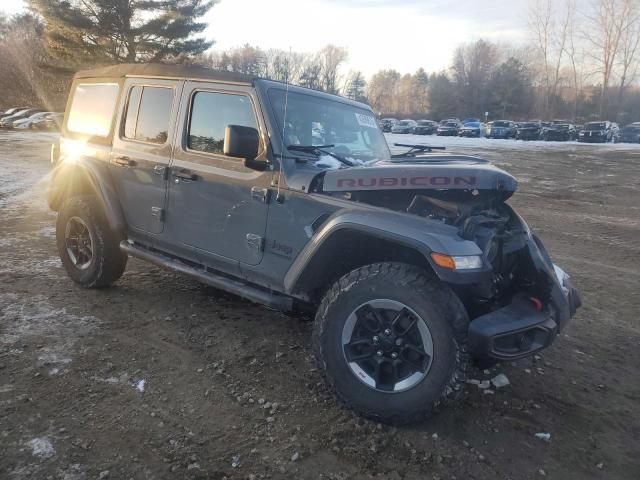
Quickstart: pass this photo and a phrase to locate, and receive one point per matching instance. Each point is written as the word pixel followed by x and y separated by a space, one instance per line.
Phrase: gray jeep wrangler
pixel 413 264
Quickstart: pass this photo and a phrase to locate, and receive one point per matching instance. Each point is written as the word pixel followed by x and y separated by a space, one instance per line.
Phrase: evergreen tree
pixel 116 31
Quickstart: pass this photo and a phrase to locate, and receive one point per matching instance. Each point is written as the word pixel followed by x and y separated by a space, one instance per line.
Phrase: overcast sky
pixel 400 34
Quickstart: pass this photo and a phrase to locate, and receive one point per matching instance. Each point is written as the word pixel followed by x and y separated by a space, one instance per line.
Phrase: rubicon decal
pixel 419 177
pixel 394 182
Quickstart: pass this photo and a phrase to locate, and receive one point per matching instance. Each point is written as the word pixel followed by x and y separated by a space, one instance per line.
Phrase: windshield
pixel 595 126
pixel 631 128
pixel 312 120
pixel 528 125
pixel 472 124
pixel 451 124
pixel 404 123
pixel 500 124
pixel 426 123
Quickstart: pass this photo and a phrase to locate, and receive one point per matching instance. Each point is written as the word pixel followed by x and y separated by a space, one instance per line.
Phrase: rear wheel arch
pixel 79 180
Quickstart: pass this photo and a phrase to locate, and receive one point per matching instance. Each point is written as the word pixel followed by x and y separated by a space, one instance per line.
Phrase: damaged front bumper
pixel 526 325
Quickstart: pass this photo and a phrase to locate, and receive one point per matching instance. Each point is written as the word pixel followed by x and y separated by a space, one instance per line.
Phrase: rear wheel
pixel 391 340
pixel 89 249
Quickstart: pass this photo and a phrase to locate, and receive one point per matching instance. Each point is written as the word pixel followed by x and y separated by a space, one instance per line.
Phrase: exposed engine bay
pixel 485 219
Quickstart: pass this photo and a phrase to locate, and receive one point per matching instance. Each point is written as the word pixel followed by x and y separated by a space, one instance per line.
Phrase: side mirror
pixel 243 142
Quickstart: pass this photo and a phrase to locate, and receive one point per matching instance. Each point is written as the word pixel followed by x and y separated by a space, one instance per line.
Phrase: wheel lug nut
pixel 387 332
pixel 399 342
pixel 376 339
pixel 394 355
pixel 379 353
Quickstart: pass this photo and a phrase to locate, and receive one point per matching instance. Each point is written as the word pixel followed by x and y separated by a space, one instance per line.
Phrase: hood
pixel 434 172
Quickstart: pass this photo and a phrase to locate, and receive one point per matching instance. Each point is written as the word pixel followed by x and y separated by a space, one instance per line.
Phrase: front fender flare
pixel 420 234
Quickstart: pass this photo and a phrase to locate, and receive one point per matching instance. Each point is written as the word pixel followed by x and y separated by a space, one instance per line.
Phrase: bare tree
pixel 331 59
pixel 572 51
pixel 604 34
pixel 550 37
pixel 629 49
pixel 381 91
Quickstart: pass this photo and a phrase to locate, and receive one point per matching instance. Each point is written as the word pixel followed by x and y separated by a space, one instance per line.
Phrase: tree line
pixel 577 64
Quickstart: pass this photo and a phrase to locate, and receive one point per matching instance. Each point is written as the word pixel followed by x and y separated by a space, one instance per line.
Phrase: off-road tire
pixel 438 306
pixel 108 261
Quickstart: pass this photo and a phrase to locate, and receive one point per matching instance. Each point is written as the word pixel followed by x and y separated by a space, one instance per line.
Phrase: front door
pixel 216 206
pixel 141 151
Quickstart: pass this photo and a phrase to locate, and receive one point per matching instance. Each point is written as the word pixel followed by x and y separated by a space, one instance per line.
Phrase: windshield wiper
pixel 317 149
pixel 413 149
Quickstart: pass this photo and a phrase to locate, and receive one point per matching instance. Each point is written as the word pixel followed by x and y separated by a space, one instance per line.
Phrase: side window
pixel 148 114
pixel 211 113
pixel 92 108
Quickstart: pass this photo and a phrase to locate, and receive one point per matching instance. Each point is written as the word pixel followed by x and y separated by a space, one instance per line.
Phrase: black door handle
pixel 124 161
pixel 185 174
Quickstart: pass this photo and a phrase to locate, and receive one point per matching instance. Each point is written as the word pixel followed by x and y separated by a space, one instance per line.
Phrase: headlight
pixel 467 262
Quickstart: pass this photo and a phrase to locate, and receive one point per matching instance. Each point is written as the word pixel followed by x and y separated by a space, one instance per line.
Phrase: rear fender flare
pixel 86 176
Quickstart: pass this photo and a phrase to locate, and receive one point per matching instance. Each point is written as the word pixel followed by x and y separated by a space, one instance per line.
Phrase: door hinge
pixel 158 213
pixel 260 194
pixel 255 242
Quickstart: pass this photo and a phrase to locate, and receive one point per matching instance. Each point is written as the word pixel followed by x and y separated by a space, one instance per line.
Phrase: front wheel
pixel 89 249
pixel 391 341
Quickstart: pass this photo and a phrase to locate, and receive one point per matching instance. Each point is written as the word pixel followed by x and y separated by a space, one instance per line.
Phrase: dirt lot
pixel 161 377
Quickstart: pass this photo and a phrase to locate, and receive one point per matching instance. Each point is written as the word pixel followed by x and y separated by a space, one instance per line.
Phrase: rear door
pixel 142 151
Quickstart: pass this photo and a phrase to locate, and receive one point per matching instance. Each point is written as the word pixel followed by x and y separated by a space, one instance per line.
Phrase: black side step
pixel 256 295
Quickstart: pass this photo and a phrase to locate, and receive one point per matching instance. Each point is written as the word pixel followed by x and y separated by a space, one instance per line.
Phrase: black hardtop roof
pixel 163 70
pixel 195 72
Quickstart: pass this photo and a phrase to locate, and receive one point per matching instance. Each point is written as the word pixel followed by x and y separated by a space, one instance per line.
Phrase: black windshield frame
pixel 329 121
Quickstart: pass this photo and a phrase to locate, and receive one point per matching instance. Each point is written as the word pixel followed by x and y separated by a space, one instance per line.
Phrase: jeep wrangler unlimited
pixel 414 264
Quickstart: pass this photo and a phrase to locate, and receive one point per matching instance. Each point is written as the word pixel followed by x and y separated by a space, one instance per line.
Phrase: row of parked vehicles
pixel 22 118
pixel 556 130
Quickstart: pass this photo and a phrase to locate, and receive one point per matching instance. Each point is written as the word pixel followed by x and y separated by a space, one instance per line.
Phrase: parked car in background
pixel 629 134
pixel 560 132
pixel 11 111
pixel 425 127
pixel 531 130
pixel 6 122
pixel 449 129
pixel 52 121
pixel 473 129
pixel 28 122
pixel 404 126
pixel 597 132
pixel 502 129
pixel 386 124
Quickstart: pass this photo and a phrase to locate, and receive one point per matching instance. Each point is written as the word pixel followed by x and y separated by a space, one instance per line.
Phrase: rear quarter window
pixel 92 108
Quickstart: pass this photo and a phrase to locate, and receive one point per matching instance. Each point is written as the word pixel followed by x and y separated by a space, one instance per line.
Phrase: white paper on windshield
pixel 366 120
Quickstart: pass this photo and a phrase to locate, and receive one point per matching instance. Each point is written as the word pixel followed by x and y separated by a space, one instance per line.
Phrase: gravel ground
pixel 161 377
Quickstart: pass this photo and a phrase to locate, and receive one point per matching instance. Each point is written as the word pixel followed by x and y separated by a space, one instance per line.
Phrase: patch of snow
pixel 327 161
pixel 140 385
pixel 49 232
pixel 41 447
pixel 498 144
pixel 27 317
pixel 543 436
pixel 500 381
